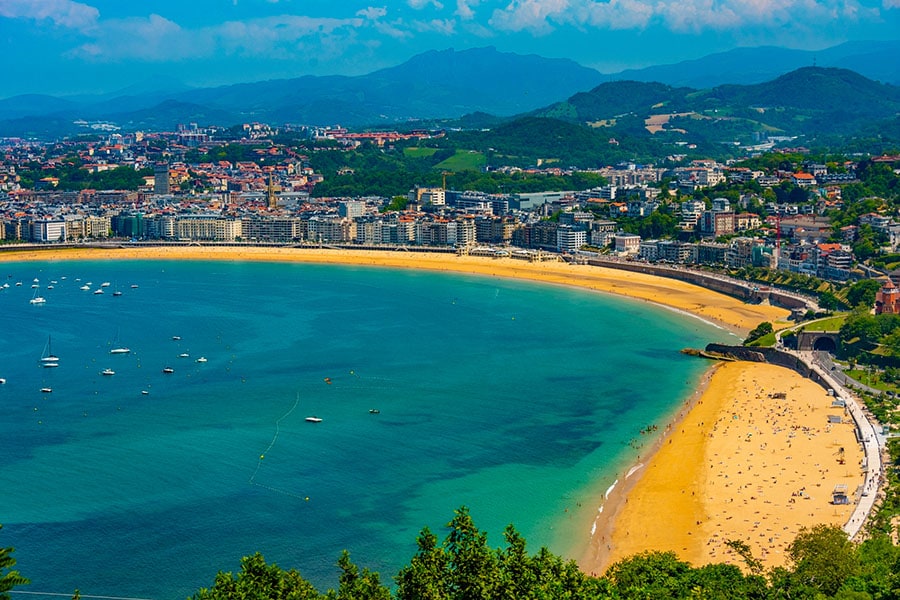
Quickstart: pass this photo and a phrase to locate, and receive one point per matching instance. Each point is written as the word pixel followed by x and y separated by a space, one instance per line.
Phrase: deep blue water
pixel 516 399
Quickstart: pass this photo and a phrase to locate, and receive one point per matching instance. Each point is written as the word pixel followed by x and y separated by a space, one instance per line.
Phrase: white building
pixel 627 243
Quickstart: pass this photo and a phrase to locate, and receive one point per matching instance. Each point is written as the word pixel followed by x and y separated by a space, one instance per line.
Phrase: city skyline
pixel 65 47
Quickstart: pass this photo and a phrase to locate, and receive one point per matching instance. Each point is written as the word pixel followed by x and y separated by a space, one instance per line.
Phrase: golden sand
pixel 743 464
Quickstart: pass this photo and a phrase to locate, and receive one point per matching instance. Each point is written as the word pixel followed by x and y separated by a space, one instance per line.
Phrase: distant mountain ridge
pixel 443 84
pixel 877 60
pixel 811 101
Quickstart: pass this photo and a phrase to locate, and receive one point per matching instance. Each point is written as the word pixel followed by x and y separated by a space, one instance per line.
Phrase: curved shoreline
pixel 718 309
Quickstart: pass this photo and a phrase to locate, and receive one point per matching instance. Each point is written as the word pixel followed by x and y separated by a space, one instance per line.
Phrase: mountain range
pixel 450 84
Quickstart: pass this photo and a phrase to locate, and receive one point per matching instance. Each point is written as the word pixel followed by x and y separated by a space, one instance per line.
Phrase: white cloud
pixel 157 39
pixel 529 15
pixel 420 4
pixel 543 16
pixel 440 26
pixel 63 13
pixel 464 9
pixel 372 12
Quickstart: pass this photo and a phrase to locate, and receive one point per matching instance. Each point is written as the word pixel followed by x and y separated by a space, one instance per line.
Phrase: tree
pixel 473 567
pixel 259 580
pixel 425 577
pixel 829 301
pixel 651 575
pixel 862 325
pixel 8 577
pixel 356 585
pixel 863 292
pixel 761 330
pixel 823 559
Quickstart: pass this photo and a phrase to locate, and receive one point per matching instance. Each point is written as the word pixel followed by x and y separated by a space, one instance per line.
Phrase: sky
pixel 95 46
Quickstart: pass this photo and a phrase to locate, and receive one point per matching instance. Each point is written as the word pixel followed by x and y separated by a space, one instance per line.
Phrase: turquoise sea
pixel 516 399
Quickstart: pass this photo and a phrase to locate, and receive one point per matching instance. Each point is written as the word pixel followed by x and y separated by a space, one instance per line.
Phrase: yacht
pixel 184 355
pixel 48 357
pixel 104 284
pixel 202 359
pixel 98 292
pixel 120 351
pixel 2 380
pixel 38 300
pixel 85 287
pixel 313 420
pixel 168 370
pixel 107 372
pixel 46 390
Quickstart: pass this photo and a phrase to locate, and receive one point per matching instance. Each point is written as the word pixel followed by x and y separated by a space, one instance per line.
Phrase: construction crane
pixel 444 179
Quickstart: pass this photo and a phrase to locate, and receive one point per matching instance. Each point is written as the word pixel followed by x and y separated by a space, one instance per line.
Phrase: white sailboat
pixel 117 348
pixel 35 299
pixel 48 358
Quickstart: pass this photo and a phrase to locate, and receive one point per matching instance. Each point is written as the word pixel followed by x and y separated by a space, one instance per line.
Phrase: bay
pixel 519 400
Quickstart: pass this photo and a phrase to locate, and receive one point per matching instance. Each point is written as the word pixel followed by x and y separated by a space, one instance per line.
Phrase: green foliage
pixel 823 560
pixel 259 580
pixel 829 301
pixel 9 578
pixel 651 575
pixel 463 160
pixel 72 177
pixel 464 567
pixel 764 328
pixel 863 292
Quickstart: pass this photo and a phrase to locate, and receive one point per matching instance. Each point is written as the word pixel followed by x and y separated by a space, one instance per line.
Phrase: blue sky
pixel 85 46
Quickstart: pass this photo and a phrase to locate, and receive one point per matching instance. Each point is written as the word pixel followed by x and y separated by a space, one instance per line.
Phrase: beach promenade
pixel 869 436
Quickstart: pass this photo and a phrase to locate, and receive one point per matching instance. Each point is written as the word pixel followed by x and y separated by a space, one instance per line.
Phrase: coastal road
pixel 871 439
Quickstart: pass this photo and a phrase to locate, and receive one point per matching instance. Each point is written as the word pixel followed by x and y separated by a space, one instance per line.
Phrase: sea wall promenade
pixel 868 433
pixel 737 288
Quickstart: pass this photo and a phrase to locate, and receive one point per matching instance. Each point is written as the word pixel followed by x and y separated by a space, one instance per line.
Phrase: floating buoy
pixel 307 498
pixel 262 456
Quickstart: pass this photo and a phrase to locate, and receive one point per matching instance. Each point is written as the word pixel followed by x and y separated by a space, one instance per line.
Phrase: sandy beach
pixel 752 456
pixel 755 460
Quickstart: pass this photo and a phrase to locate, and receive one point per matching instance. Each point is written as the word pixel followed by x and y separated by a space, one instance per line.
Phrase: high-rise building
pixel 161 178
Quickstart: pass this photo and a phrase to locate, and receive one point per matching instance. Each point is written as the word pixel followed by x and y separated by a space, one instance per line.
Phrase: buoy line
pixel 259 461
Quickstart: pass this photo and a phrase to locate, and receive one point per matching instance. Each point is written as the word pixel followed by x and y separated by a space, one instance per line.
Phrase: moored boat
pixel 313 420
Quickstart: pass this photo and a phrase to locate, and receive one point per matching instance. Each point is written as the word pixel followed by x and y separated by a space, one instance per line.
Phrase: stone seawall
pixel 717 283
pixel 772 356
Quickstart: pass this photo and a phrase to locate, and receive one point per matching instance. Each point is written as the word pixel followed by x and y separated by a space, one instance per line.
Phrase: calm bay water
pixel 516 399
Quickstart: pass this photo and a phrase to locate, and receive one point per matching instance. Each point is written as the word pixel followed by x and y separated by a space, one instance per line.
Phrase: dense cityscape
pixel 701 212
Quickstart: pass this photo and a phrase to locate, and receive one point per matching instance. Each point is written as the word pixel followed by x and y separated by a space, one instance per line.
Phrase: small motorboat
pixel 168 370
pixel 202 359
pixel 46 390
pixel 107 372
pixel 313 420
